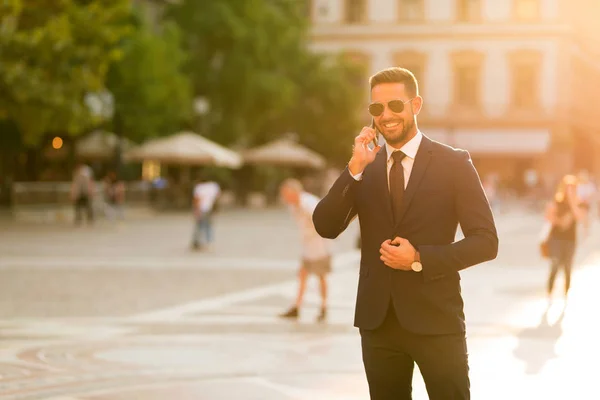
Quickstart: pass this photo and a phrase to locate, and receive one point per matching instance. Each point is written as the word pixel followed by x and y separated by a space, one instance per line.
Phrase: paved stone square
pixel 129 312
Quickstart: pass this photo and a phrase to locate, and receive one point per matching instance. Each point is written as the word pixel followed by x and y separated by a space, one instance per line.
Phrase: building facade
pixel 510 80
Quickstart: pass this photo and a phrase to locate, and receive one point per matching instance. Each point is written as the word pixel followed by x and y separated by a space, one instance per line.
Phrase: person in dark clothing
pixel 410 195
pixel 82 193
pixel 563 213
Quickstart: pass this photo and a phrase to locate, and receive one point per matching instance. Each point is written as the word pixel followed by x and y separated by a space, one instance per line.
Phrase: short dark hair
pixel 396 75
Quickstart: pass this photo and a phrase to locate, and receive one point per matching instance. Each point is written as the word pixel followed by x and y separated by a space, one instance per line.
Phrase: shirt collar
pixel 410 148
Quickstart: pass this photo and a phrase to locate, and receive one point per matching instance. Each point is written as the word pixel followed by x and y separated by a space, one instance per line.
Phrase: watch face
pixel 416 266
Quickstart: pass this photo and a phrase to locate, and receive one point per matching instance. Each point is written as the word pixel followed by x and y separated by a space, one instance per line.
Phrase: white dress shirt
pixel 410 148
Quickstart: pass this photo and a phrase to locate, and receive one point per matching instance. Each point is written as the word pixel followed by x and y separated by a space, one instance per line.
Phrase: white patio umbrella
pixel 284 152
pixel 185 148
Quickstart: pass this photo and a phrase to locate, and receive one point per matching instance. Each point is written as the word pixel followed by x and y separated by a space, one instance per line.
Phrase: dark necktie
pixel 397 184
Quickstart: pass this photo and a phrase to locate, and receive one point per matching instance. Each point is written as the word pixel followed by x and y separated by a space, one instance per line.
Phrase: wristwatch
pixel 416 265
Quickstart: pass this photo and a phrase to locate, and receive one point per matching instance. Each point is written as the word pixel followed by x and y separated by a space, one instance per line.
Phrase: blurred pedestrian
pixel 114 196
pixel 206 194
pixel 82 193
pixel 316 257
pixel 563 212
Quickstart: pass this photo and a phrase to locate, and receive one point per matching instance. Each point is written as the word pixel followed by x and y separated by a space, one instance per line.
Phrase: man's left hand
pixel 398 253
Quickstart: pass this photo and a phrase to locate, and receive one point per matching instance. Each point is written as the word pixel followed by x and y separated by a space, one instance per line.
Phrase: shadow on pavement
pixel 536 345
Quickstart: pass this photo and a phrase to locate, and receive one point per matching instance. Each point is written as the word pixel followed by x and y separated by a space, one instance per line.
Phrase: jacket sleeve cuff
pixel 431 270
pixel 356 177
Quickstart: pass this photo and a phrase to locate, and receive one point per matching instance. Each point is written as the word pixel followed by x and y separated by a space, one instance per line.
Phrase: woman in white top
pixel 316 258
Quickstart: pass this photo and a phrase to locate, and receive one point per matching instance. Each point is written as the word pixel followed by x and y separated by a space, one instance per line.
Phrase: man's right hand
pixel 361 154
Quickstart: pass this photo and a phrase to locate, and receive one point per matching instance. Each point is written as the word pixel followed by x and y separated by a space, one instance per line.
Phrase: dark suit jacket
pixel 443 191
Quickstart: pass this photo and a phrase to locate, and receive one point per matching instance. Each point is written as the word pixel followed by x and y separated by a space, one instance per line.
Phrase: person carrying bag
pixel 562 215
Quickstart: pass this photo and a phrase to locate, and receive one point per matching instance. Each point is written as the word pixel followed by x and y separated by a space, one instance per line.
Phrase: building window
pixel 467 85
pixel 414 62
pixel 469 10
pixel 524 86
pixel 355 11
pixel 467 79
pixel 527 10
pixel 525 70
pixel 411 10
pixel 317 10
pixel 323 10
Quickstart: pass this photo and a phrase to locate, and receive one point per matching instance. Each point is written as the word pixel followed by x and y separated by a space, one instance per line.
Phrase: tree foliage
pixel 239 51
pixel 250 58
pixel 152 94
pixel 52 53
pixel 327 114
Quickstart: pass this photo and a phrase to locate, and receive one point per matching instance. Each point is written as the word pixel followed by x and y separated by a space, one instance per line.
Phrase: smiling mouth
pixel 391 124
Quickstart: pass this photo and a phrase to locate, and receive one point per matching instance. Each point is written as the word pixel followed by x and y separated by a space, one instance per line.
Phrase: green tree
pixel 240 54
pixel 327 114
pixel 52 54
pixel 152 94
pixel 251 60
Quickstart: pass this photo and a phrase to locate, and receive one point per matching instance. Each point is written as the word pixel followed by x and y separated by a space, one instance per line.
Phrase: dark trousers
pixel 83 203
pixel 389 355
pixel 561 256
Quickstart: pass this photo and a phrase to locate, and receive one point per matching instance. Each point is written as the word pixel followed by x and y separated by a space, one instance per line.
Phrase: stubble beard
pixel 406 128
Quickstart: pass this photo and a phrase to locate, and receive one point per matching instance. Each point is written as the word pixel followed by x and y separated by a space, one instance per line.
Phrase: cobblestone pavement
pixel 130 313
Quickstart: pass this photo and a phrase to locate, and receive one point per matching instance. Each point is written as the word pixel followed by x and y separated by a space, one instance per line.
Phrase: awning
pixel 495 141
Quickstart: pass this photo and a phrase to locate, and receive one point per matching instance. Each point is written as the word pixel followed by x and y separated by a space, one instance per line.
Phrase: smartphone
pixel 376 138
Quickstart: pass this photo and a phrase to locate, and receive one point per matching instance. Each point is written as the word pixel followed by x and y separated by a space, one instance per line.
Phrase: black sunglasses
pixel 397 106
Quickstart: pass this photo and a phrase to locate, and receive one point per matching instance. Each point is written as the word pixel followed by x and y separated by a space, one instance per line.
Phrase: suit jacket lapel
pixel 418 171
pixel 380 183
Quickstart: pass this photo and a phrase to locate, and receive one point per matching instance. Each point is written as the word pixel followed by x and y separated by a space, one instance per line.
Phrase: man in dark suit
pixel 410 197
